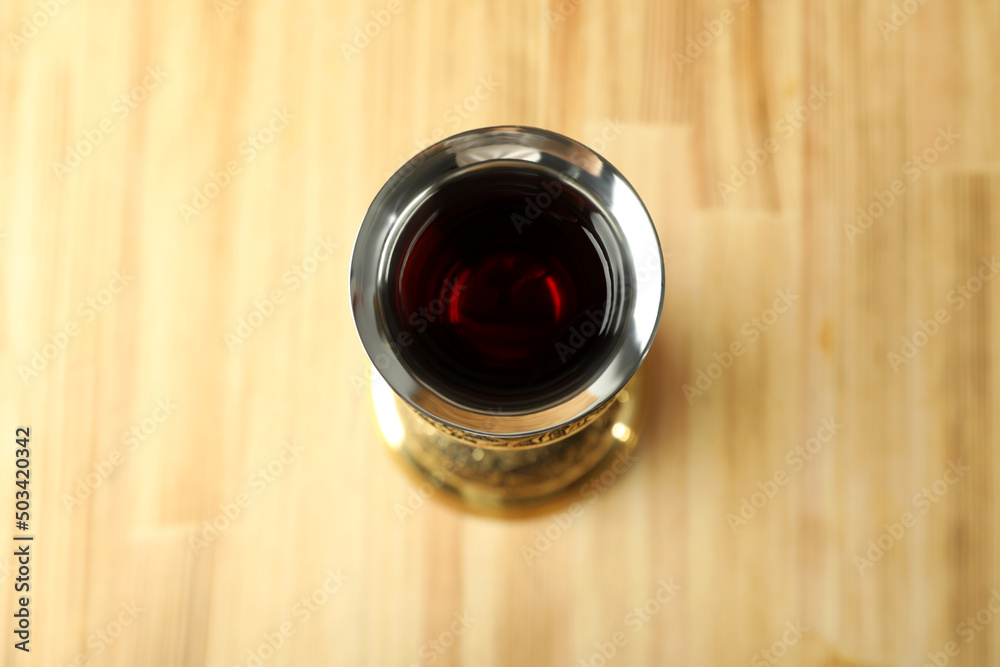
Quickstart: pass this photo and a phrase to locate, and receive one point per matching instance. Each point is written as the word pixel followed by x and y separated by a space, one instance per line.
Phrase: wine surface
pixel 503 290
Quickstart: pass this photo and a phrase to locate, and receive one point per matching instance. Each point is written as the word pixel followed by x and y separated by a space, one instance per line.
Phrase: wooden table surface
pixel 180 185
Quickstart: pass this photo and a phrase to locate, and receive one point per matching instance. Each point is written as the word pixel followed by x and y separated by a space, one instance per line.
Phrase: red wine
pixel 503 291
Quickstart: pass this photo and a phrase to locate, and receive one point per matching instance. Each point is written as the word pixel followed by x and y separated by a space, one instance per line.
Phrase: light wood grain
pixel 301 375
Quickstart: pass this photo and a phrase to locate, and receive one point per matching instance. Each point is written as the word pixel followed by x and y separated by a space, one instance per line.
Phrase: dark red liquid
pixel 503 290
